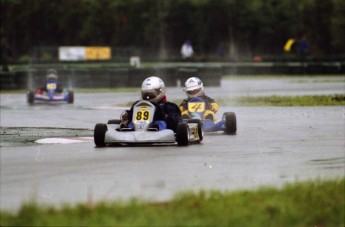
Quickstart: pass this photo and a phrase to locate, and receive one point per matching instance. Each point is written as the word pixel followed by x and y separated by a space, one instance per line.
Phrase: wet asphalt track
pixel 273 146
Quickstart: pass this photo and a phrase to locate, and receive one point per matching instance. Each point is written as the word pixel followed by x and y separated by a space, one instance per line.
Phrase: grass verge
pixel 307 100
pixel 311 203
pixel 311 100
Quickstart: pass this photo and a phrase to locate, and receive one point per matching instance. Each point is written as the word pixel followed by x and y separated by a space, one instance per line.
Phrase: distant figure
pixel 187 50
pixel 300 47
pixel 221 52
pixel 6 54
pixel 303 47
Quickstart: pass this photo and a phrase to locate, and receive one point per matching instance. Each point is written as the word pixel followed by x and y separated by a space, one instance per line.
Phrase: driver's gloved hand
pixel 185 114
pixel 124 119
pixel 209 117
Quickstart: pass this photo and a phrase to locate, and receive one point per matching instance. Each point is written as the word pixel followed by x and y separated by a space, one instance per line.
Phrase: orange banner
pixel 97 53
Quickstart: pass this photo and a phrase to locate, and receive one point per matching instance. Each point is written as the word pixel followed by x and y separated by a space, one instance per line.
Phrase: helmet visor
pixel 193 92
pixel 150 94
pixel 52 77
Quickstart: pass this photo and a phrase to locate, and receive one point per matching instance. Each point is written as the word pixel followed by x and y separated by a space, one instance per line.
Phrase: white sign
pixel 72 53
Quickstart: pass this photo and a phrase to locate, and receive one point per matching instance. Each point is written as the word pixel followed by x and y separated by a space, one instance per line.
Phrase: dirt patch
pixel 18 136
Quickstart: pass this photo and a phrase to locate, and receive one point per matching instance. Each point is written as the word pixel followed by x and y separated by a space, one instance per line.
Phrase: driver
pixel 153 90
pixel 52 76
pixel 195 88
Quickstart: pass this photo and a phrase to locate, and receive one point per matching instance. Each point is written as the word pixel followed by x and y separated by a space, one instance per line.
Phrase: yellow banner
pixel 98 53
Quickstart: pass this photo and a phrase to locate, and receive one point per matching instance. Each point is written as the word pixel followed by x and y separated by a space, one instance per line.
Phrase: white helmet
pixel 153 89
pixel 52 74
pixel 193 87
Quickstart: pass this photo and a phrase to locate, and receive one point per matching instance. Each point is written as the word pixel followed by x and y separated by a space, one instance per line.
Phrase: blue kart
pixel 197 109
pixel 50 94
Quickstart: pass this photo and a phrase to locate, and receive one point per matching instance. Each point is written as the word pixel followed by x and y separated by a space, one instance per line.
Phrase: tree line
pixel 223 28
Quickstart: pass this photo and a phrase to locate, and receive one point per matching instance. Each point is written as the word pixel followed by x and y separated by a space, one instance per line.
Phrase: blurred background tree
pixel 243 28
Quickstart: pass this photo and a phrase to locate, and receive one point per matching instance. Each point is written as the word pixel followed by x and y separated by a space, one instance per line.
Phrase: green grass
pixel 303 78
pixel 310 100
pixel 311 203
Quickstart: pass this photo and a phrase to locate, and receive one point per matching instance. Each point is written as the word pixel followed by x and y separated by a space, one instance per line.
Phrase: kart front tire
pixel 200 128
pixel 70 97
pixel 230 123
pixel 99 134
pixel 182 134
pixel 30 97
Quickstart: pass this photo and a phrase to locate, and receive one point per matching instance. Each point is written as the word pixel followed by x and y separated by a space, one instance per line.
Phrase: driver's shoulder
pixel 172 107
pixel 203 97
pixel 207 98
pixel 171 104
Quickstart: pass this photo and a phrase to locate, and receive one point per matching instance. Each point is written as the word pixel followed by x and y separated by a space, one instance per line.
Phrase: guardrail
pixel 108 77
pixel 173 74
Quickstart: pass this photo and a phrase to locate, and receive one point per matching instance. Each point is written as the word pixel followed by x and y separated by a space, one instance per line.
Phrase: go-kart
pixel 50 94
pixel 144 130
pixel 197 110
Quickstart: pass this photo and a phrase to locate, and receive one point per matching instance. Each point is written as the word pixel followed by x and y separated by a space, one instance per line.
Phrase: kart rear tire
pixel 70 97
pixel 99 134
pixel 114 121
pixel 30 97
pixel 230 123
pixel 200 128
pixel 182 134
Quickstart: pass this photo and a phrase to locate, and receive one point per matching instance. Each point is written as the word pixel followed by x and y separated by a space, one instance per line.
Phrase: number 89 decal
pixel 142 115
